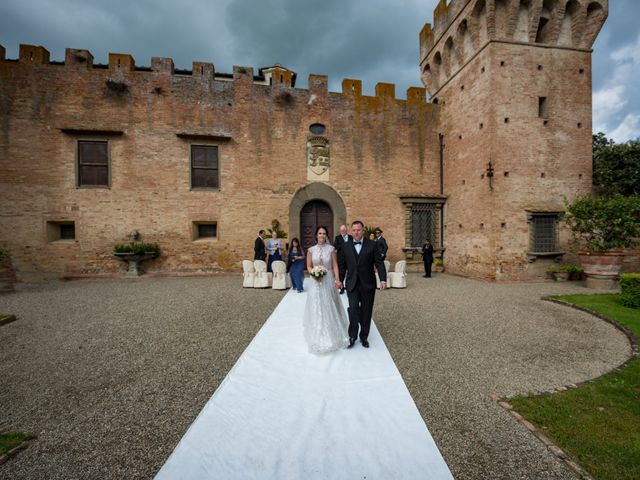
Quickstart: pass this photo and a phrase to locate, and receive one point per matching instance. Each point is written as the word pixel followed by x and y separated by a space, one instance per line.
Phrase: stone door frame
pixel 316 191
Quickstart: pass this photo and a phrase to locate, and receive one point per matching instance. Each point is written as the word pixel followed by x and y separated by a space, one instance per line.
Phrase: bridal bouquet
pixel 318 272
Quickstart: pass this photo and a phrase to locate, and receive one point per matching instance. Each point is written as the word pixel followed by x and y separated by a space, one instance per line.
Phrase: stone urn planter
pixel 135 253
pixel 134 260
pixel 602 269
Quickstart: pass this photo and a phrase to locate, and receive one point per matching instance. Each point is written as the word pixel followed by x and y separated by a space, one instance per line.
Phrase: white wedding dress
pixel 325 319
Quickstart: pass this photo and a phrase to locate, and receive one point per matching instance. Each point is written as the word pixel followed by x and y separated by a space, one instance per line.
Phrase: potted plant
pixel 604 226
pixel 574 271
pixel 438 265
pixel 134 253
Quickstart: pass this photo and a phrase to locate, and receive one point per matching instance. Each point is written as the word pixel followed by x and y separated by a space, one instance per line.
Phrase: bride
pixel 325 319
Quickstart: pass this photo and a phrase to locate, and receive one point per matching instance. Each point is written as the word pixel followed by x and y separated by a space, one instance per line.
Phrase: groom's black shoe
pixel 351 342
pixel 365 343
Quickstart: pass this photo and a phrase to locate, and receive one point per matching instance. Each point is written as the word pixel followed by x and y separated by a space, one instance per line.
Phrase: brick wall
pixel 381 148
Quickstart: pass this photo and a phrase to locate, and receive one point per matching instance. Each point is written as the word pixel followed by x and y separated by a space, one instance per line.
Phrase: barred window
pixel 93 163
pixel 423 224
pixel 207 230
pixel 204 167
pixel 544 232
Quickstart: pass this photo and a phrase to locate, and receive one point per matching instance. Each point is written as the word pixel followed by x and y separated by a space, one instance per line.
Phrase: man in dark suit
pixel 338 243
pixel 258 247
pixel 358 257
pixel 383 247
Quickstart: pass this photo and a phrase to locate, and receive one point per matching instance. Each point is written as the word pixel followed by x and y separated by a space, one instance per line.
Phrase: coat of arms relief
pixel 318 160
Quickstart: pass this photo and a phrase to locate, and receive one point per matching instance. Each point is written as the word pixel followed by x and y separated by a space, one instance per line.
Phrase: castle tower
pixel 512 79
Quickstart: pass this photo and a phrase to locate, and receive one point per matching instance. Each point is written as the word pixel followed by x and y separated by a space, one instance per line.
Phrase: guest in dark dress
pixel 427 258
pixel 295 265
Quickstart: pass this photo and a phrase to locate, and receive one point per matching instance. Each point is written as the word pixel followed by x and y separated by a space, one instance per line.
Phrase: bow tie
pixel 357 243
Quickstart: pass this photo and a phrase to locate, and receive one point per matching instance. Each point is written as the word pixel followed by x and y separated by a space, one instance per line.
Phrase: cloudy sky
pixel 371 40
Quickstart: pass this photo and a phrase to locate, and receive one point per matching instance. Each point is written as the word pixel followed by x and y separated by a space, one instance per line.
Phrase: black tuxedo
pixel 383 246
pixel 361 283
pixel 258 249
pixel 338 243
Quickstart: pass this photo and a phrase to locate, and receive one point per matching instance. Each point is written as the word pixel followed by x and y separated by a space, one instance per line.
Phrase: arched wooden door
pixel 312 215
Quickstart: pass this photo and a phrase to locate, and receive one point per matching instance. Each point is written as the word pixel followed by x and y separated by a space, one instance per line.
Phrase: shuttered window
pixel 204 167
pixel 93 163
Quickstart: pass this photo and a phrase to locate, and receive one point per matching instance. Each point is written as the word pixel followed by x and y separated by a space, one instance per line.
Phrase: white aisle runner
pixel 282 413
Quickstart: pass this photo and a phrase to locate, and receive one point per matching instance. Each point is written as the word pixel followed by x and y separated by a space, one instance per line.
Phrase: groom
pixel 358 256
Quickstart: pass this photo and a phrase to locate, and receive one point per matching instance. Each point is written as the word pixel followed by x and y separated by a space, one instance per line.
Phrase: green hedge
pixel 630 290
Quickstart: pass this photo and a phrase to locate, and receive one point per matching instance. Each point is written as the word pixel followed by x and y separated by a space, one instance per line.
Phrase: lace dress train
pixel 325 319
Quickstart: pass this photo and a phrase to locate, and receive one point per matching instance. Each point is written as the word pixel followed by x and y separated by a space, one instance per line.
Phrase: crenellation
pixel 162 65
pixel 204 70
pixel 73 56
pixel 462 29
pixel 122 62
pixel 352 87
pixel 385 90
pixel 34 54
pixel 416 95
pixel 277 75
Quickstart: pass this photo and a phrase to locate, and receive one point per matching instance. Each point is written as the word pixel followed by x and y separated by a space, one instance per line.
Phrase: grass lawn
pixel 597 424
pixel 11 440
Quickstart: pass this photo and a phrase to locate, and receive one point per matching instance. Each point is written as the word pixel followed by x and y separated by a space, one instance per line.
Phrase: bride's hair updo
pixel 326 230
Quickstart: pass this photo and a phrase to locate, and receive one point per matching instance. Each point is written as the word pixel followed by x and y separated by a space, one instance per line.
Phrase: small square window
pixel 62 230
pixel 205 230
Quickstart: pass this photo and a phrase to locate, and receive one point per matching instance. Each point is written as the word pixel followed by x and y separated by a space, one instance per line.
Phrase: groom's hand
pixel 383 285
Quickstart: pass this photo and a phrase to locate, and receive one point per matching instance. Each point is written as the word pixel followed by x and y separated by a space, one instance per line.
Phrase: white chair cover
pixel 281 281
pixel 248 273
pixel 387 266
pixel 263 278
pixel 398 278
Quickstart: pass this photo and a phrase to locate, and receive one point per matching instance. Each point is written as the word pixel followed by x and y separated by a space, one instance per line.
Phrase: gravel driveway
pixel 109 374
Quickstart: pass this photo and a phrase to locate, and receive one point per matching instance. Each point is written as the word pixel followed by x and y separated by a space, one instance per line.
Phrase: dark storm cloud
pixel 142 28
pixel 371 40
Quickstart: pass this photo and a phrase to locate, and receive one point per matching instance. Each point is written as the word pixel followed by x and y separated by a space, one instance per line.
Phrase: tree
pixel 616 167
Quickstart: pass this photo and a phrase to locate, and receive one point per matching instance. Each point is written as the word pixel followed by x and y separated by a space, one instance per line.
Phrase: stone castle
pixel 198 161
